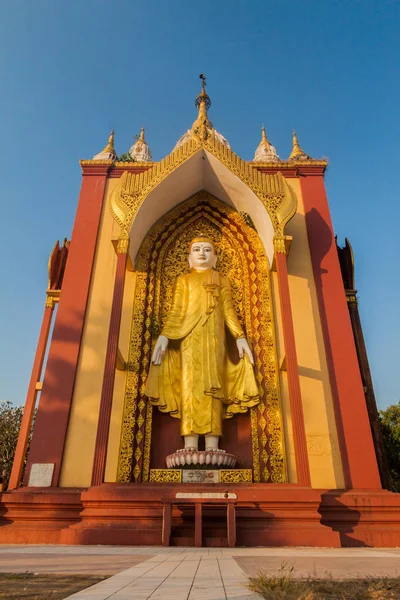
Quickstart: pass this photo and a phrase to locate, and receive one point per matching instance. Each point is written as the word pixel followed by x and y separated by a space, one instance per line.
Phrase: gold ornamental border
pixel 151 303
pixel 225 476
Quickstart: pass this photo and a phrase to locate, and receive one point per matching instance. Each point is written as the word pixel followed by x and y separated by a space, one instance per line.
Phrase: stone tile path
pixel 184 576
pixel 192 574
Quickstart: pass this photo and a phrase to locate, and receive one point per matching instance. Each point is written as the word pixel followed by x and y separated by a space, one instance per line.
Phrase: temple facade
pixel 103 460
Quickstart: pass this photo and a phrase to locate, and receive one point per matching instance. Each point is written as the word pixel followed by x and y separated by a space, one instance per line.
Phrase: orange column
pixel 30 401
pixel 354 431
pixel 100 452
pixel 51 423
pixel 296 406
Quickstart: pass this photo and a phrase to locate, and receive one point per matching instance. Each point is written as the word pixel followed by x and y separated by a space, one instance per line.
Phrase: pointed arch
pixel 270 190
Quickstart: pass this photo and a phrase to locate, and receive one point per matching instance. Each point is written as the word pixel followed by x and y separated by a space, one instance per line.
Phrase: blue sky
pixel 71 71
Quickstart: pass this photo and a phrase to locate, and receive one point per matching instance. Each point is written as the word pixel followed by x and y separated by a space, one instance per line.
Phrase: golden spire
pixel 110 144
pixel 297 153
pixel 202 124
pixel 141 136
pixel 264 139
pixel 108 152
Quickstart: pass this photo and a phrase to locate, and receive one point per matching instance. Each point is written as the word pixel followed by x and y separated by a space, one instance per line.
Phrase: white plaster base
pixel 214 459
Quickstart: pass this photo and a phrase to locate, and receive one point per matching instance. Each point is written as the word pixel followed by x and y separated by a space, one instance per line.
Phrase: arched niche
pixel 148 435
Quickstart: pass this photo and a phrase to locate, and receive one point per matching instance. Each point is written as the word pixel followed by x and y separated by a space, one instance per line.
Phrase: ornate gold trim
pixel 165 475
pixel 274 192
pixel 279 244
pixel 225 476
pixel 289 165
pixel 51 301
pixel 136 165
pixel 87 163
pixel 123 245
pixel 235 476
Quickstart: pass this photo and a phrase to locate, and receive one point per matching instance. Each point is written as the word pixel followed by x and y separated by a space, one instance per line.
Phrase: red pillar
pixel 100 452
pixel 296 406
pixel 51 423
pixel 30 401
pixel 354 432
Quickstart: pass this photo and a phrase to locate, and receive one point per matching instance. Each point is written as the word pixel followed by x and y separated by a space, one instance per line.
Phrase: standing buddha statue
pixel 191 376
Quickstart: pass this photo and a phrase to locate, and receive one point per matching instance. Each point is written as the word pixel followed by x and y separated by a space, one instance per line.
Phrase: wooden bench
pixel 198 503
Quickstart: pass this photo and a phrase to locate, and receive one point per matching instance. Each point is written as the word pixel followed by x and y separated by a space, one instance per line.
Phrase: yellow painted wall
pixel 322 443
pixel 82 427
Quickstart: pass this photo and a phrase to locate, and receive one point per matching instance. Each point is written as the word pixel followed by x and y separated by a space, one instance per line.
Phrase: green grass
pixel 284 586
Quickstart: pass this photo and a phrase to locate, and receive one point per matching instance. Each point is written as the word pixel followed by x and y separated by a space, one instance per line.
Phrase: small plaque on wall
pixel 199 476
pixel 41 475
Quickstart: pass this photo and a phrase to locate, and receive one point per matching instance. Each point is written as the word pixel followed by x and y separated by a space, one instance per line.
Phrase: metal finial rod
pixel 203 96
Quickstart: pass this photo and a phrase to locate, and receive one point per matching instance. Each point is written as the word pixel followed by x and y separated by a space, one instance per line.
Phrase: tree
pixel 10 422
pixel 390 423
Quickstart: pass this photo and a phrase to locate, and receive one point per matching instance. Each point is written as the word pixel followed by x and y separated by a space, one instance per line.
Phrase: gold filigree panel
pixel 235 476
pixel 162 257
pixel 225 475
pixel 165 475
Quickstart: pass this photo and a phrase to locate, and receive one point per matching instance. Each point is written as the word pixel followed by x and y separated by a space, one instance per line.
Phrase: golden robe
pixel 197 382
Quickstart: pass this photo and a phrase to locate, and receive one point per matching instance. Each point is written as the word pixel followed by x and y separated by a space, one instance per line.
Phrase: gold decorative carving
pixel 123 245
pixel 351 298
pixel 134 165
pixel 279 244
pixel 132 383
pixel 88 163
pixel 163 256
pixel 51 301
pixel 165 475
pixel 235 476
pixel 274 192
pixel 285 165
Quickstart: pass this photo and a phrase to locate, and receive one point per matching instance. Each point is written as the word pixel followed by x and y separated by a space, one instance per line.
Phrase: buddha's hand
pixel 244 348
pixel 159 350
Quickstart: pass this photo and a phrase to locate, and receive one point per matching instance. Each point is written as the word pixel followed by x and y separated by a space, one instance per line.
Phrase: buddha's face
pixel 202 256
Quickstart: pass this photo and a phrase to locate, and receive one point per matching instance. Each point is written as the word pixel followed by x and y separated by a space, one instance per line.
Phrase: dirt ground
pixel 28 586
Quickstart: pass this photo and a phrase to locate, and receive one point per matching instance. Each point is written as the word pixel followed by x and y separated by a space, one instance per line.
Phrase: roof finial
pixel 265 151
pixel 140 150
pixel 110 143
pixel 108 152
pixel 201 125
pixel 297 153
pixel 202 129
pixel 264 138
